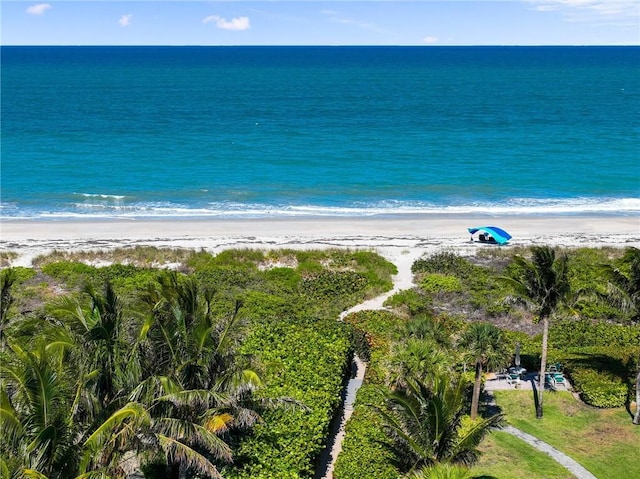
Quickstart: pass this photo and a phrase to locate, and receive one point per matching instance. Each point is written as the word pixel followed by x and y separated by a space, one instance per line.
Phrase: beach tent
pixel 499 235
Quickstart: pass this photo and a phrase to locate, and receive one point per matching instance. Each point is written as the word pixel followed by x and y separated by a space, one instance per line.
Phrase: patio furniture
pixel 559 379
pixel 550 380
pixel 513 379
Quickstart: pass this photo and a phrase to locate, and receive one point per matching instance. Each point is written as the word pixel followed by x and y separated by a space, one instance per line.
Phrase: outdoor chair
pixel 550 380
pixel 559 379
pixel 513 379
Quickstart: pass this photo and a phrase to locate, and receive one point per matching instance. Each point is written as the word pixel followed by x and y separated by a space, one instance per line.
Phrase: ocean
pixel 172 132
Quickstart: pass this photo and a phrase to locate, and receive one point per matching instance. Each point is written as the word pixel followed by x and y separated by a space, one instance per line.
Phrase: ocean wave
pixel 516 206
pixel 101 195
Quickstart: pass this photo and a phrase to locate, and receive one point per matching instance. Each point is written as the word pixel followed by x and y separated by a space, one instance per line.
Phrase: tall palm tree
pixel 625 293
pixel 424 422
pixel 484 345
pixel 542 281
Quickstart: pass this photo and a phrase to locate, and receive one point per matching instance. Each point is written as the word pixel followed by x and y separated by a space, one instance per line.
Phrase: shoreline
pixel 399 239
pixel 441 225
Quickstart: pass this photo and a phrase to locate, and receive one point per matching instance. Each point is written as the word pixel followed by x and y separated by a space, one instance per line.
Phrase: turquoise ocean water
pixel 304 131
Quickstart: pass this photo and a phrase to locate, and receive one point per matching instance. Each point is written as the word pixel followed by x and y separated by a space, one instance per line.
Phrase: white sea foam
pixel 101 195
pixel 518 206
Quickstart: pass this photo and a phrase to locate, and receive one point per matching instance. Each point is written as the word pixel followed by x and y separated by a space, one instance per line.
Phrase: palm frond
pixel 187 432
pixel 176 451
pixel 218 423
pixel 10 424
pixel 132 411
pixel 194 397
pixel 31 474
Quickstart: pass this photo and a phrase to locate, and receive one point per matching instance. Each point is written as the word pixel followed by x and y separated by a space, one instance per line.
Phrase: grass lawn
pixel 602 440
pixel 507 457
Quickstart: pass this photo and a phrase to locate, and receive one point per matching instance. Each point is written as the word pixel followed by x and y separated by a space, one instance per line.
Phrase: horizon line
pixel 324 45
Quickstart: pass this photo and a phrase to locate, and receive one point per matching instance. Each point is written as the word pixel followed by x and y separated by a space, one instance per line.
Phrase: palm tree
pixel 7 279
pixel 625 289
pixel 624 283
pixel 485 346
pixel 543 281
pixel 195 381
pixel 106 349
pixel 418 358
pixel 38 406
pixel 442 471
pixel 424 422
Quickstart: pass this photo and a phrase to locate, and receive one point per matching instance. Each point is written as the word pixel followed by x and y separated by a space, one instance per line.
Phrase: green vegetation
pixel 304 360
pixel 364 431
pixel 602 440
pixel 231 363
pixel 184 364
pixel 434 330
pixel 544 282
pixel 506 457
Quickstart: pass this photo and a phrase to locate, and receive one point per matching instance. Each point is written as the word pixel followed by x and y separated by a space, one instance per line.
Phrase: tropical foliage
pixel 543 281
pixel 484 346
pixel 106 371
pixel 233 365
pixel 425 423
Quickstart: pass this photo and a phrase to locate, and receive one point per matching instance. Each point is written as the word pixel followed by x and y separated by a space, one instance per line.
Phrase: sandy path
pixel 403 259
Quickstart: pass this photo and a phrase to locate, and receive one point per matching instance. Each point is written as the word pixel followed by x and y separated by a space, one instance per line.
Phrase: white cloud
pixel 125 20
pixel 237 23
pixel 38 9
pixel 430 39
pixel 592 11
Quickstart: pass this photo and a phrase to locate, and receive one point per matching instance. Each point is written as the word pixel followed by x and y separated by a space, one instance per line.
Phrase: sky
pixel 333 22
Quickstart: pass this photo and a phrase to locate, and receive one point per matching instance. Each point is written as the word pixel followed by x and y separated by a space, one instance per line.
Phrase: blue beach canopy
pixel 498 234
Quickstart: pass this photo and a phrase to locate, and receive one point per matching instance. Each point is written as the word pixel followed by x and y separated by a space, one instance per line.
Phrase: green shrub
pixel 306 360
pixel 599 389
pixel 71 273
pixel 445 262
pixel 285 280
pixel 331 284
pixel 440 283
pixel 360 342
pixel 21 273
pixel 413 300
pixel 242 258
pixel 580 333
pixel 365 450
pixel 257 304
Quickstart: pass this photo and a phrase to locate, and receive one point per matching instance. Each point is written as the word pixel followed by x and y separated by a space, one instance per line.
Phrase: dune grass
pixel 602 440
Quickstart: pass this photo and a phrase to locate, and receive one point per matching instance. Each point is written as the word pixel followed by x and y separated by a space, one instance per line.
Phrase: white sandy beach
pixel 399 239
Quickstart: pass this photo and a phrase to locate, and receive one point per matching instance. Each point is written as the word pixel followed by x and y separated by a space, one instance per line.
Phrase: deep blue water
pixel 280 131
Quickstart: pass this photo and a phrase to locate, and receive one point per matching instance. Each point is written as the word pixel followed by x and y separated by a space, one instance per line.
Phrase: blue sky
pixel 306 22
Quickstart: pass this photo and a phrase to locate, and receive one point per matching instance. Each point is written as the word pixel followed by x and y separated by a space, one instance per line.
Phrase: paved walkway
pixel 572 466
